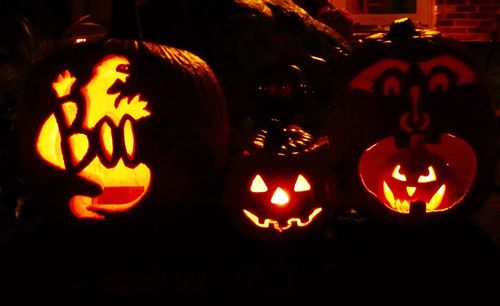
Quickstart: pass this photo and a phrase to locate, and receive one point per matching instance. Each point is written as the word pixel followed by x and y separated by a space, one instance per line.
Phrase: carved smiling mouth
pixel 403 205
pixel 289 223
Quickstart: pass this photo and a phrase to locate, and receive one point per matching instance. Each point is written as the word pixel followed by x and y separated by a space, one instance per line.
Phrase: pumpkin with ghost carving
pixel 114 127
pixel 279 188
pixel 413 129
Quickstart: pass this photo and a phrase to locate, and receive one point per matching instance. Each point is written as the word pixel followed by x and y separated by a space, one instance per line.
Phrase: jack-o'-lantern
pixel 278 189
pixel 109 126
pixel 110 120
pixel 412 86
pixel 422 178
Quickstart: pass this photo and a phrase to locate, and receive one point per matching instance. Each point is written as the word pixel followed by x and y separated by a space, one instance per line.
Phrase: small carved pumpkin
pixel 116 123
pixel 279 188
pixel 407 86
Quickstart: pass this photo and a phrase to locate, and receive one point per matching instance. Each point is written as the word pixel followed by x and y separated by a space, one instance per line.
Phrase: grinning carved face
pixel 288 202
pixel 93 136
pixel 279 188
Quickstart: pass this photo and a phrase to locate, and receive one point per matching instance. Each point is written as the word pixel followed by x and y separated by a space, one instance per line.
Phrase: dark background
pixel 352 259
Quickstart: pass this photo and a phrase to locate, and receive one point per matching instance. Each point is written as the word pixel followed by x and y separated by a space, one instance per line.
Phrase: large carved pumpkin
pixel 112 127
pixel 414 126
pixel 279 188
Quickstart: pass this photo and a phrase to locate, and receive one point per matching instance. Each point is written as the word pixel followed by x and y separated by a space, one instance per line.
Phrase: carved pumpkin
pixel 279 188
pixel 431 177
pixel 407 87
pixel 118 124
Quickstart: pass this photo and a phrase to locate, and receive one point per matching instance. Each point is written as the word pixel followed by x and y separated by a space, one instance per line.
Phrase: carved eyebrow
pixel 463 73
pixel 364 80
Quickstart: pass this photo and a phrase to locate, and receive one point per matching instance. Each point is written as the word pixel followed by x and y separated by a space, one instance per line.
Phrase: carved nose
pixel 411 190
pixel 415 99
pixel 280 197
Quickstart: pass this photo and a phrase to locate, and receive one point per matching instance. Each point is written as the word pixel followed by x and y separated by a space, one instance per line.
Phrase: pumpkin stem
pixel 125 20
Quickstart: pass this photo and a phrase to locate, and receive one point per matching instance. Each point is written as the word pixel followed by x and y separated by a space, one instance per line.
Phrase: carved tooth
pixel 436 199
pixel 389 195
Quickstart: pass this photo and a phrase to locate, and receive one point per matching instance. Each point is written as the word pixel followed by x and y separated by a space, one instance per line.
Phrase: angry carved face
pixel 432 175
pixel 409 181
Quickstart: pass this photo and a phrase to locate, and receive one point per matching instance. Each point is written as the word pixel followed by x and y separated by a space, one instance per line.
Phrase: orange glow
pixel 398 175
pixel 276 225
pixel 79 206
pixel 436 199
pixel 69 111
pixel 301 184
pixel 128 136
pixel 128 180
pixel 79 145
pixel 63 83
pixel 280 197
pixel 122 186
pixel 442 179
pixel 258 184
pixel 48 143
pixel 403 205
pixel 100 104
pixel 106 140
pixel 411 190
pixel 297 141
pixel 431 177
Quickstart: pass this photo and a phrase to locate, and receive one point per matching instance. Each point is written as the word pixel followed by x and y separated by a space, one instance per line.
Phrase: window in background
pixel 383 12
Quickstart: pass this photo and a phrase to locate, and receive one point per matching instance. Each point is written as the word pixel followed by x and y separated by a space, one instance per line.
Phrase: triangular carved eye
pixel 301 184
pixel 258 184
